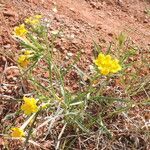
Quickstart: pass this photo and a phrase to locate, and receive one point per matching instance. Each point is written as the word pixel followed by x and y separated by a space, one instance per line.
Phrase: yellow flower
pixel 106 64
pixel 115 66
pixel 29 106
pixel 20 30
pixel 27 52
pixel 17 132
pixel 33 21
pixel 38 16
pixel 105 71
pixel 23 60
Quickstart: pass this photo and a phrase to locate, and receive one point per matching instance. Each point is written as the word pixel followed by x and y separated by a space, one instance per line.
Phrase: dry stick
pixel 3 54
pixel 98 140
pixel 23 139
pixel 59 137
pixel 30 130
pixel 8 98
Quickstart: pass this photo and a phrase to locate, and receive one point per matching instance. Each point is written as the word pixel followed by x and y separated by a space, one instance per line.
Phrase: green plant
pixel 51 103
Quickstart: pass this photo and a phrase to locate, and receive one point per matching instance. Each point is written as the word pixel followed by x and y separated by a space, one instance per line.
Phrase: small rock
pixel 93 4
pixel 7 46
pixel 14 78
pixel 54 49
pixel 72 9
pixel 82 50
pixel 5 87
pixel 145 21
pixel 109 13
pixel 55 32
pixel 70 54
pixel 4 59
pixel 66 57
pixel 110 34
pixel 55 9
pixel 120 2
pixel 10 13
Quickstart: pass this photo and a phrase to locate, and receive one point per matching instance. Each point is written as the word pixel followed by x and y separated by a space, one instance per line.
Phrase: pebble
pixel 110 34
pixel 120 2
pixel 7 46
pixel 4 59
pixel 66 57
pixel 145 21
pixel 54 49
pixel 70 54
pixel 72 9
pixel 14 78
pixel 82 50
pixel 10 13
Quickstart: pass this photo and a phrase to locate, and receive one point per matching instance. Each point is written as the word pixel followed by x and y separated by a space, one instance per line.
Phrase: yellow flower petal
pixel 106 64
pixel 34 20
pixel 23 60
pixel 27 52
pixel 20 30
pixel 29 106
pixel 38 16
pixel 105 71
pixel 17 132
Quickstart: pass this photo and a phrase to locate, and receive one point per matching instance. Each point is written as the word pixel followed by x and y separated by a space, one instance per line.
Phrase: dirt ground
pixel 82 21
pixel 85 20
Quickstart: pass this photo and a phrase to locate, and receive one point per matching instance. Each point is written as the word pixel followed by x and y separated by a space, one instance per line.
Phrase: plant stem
pixel 30 129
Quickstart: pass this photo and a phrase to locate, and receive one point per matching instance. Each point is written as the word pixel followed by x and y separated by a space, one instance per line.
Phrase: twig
pixel 9 98
pixel 60 135
pixel 30 130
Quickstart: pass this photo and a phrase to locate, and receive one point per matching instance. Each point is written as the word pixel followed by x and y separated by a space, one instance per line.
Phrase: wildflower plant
pixel 51 103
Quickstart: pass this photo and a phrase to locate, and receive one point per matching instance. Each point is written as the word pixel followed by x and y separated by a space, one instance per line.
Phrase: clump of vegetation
pixel 50 104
